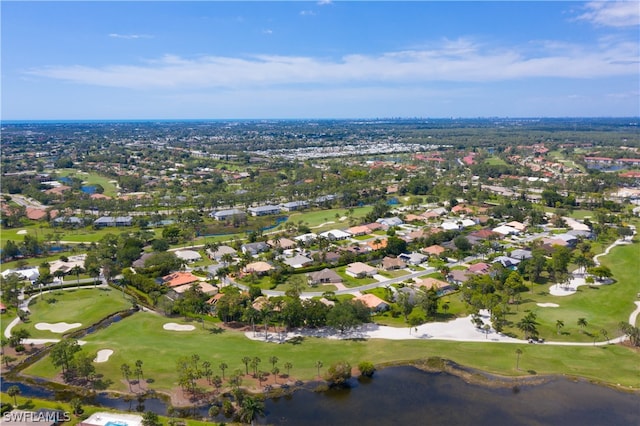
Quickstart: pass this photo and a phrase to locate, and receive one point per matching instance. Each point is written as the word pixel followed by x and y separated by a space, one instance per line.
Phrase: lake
pixel 409 396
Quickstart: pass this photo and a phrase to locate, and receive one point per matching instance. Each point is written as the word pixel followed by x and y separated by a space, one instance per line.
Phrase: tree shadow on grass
pixel 297 340
pixel 216 330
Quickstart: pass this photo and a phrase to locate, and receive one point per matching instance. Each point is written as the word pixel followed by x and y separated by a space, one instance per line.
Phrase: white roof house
pixel 335 234
pixel 31 274
pixel 188 255
pixel 306 237
pixel 450 226
pixel 506 230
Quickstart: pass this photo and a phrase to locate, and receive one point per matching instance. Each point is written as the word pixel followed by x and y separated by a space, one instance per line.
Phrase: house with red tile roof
pixel 373 302
pixel 434 250
pixel 479 268
pixel 180 278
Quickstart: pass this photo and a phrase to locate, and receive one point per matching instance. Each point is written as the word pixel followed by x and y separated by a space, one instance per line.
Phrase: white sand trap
pixel 342 218
pixel 103 355
pixel 59 327
pixel 548 305
pixel 22 232
pixel 172 326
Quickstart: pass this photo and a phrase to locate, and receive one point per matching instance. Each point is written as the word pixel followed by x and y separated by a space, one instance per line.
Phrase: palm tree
pixel 559 325
pixel 14 391
pixel 528 325
pixel 318 366
pixel 246 360
pixel 518 353
pixel 273 360
pixel 223 366
pixel 582 323
pixel 76 270
pixel 288 366
pixel 275 371
pixel 255 362
pixel 139 369
pixel 126 372
pixel 250 409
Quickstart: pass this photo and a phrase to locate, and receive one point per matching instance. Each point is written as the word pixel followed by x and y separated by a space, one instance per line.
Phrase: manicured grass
pixel 394 274
pixel 603 306
pixel 141 336
pixel 85 305
pixel 317 217
pixel 350 281
pixel 92 179
pixel 495 161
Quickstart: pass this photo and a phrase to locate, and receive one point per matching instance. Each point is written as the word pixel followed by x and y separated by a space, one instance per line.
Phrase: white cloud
pixel 453 61
pixel 324 2
pixel 129 36
pixel 612 13
pixel 307 13
pixel 267 31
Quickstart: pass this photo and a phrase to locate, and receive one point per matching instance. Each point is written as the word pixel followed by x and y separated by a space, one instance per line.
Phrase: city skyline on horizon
pixel 69 61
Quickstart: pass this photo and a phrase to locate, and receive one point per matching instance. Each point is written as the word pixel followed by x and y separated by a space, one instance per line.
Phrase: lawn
pixel 602 306
pixel 86 306
pixel 142 337
pixel 318 217
pixel 92 179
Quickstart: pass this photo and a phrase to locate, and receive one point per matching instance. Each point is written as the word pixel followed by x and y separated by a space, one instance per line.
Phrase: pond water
pixel 408 396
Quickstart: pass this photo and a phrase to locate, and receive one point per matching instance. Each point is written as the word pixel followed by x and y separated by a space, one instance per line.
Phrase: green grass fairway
pixel 141 336
pixel 92 179
pixel 85 305
pixel 603 306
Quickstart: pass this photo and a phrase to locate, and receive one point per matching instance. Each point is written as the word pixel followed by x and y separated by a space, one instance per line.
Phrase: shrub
pixel 338 373
pixel 366 368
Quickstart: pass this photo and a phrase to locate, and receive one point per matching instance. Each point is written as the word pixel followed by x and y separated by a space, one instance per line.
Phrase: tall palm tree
pixel 518 353
pixel 288 366
pixel 14 391
pixel 223 366
pixel 318 366
pixel 246 360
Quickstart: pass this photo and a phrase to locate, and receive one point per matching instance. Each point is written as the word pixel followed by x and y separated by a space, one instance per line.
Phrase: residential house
pixel 283 243
pixel 259 268
pixel 413 258
pixel 325 276
pixel 112 419
pixel 335 235
pixel 377 244
pixel 297 261
pixel 306 238
pixel 177 279
pixel 70 221
pixel 294 205
pixel 373 302
pixel 68 265
pixel 434 250
pixel 480 268
pixel 220 252
pixel 359 230
pixel 521 254
pixel 360 270
pixel 254 248
pixel 459 276
pixel 264 210
pixel 429 283
pixel 517 225
pixel 391 263
pixel 205 287
pixel 188 256
pixel 388 222
pixel 506 261
pixel 29 274
pixel 506 230
pixel 223 215
pixel 113 221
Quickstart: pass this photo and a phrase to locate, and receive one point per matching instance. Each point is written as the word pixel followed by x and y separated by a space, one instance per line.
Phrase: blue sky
pixel 210 60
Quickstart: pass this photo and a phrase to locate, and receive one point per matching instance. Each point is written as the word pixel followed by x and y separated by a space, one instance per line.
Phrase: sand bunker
pixel 548 305
pixel 103 355
pixel 59 327
pixel 172 326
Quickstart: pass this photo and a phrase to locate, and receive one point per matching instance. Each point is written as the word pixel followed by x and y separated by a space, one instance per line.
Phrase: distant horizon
pixel 169 60
pixel 368 119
